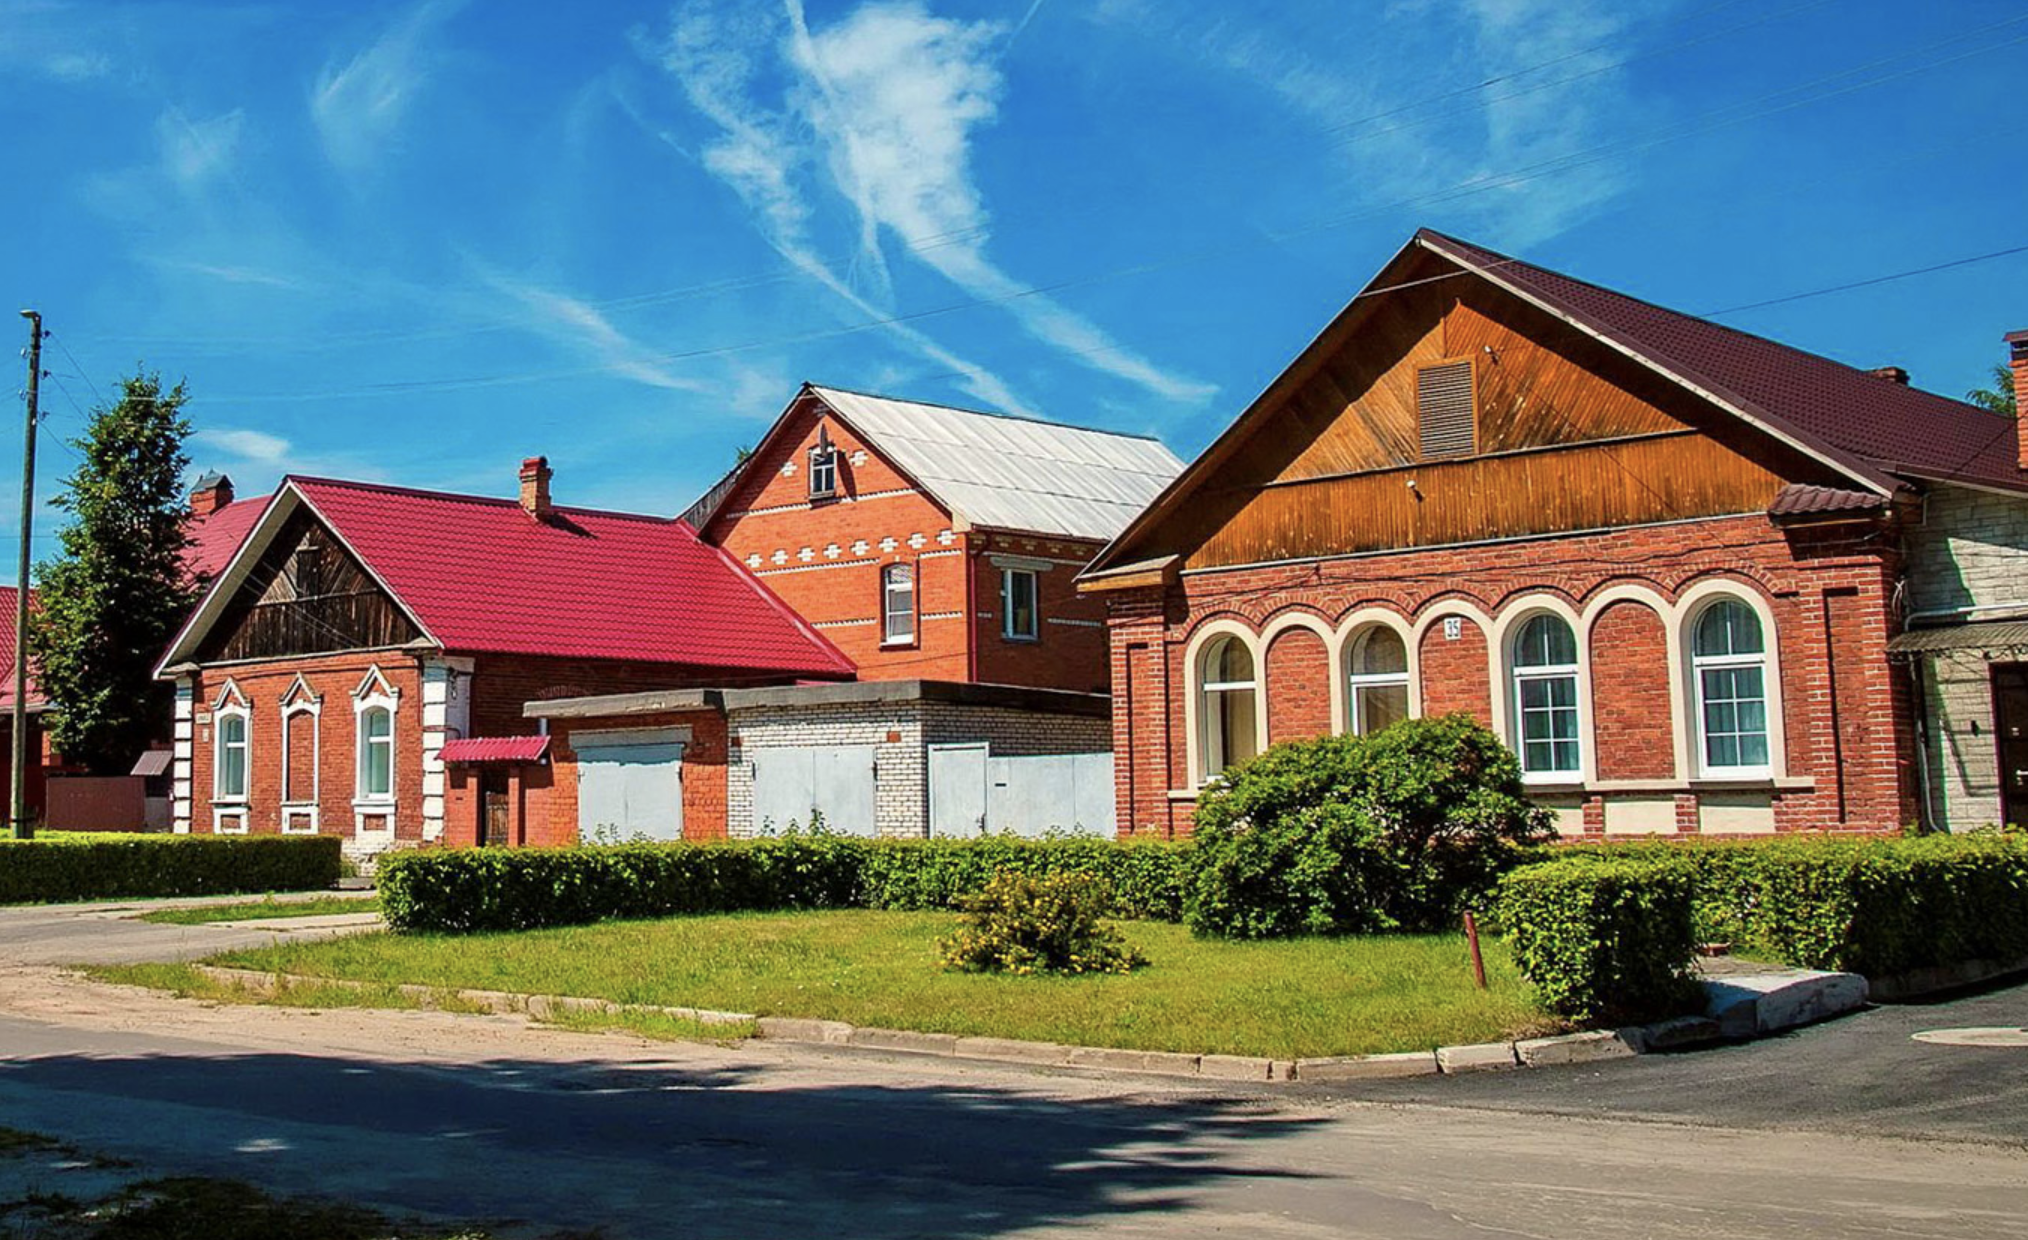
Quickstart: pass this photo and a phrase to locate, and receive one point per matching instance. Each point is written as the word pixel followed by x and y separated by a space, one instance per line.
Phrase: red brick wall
pixel 1847 727
pixel 1298 686
pixel 333 678
pixel 825 560
pixel 1632 720
pixel 1455 676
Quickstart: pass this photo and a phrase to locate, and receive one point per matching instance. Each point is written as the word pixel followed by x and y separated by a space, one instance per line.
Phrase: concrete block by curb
pixel 1479 1057
pixel 1591 1047
pixel 904 1040
pixel 1680 1033
pixel 1167 1063
pixel 1366 1067
pixel 797 1029
pixel 1235 1068
pixel 1751 1004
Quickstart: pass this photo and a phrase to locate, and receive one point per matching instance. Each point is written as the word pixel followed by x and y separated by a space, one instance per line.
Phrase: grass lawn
pixel 1288 1000
pixel 258 910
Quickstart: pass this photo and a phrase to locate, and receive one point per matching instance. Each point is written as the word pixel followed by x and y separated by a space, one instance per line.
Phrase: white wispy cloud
pixel 581 326
pixel 62 42
pixel 881 108
pixel 359 107
pixel 716 55
pixel 194 151
pixel 258 457
pixel 1406 125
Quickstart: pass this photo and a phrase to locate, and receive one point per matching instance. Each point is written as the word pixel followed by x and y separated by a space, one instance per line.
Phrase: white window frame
pixel 1517 676
pixel 1211 762
pixel 1700 663
pixel 1355 680
pixel 889 574
pixel 300 815
pixel 236 710
pixel 375 693
pixel 823 465
pixel 1007 629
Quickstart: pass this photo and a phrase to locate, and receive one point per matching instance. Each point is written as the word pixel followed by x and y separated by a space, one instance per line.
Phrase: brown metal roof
pixel 1989 635
pixel 1872 422
pixel 1799 500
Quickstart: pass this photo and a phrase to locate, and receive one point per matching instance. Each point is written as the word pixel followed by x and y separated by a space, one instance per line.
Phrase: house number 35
pixel 1454 628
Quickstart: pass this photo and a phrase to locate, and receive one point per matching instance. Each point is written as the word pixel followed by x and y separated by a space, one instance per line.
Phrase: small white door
pixel 957 790
pixel 629 789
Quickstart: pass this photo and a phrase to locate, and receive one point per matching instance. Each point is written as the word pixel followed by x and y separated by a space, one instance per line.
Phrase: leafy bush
pixel 518 889
pixel 1605 939
pixel 1025 925
pixel 1345 834
pixel 1871 906
pixel 51 868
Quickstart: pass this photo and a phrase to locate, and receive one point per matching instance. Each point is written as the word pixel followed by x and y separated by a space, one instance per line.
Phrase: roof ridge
pixel 1508 260
pixel 391 488
pixel 984 413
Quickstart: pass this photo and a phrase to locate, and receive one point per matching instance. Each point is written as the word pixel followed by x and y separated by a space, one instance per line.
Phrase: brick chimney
pixel 2017 359
pixel 1893 374
pixel 212 492
pixel 535 476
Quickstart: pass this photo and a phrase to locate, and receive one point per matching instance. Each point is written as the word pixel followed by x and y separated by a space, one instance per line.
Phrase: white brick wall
pixel 1967 560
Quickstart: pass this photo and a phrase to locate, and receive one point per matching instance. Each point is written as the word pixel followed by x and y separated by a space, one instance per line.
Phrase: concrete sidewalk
pixel 108 932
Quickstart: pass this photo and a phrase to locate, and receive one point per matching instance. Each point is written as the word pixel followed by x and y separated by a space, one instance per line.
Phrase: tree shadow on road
pixel 659 1149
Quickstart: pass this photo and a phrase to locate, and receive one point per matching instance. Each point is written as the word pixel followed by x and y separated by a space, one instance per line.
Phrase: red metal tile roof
pixel 496 749
pixel 35 699
pixel 215 537
pixel 1869 421
pixel 1796 499
pixel 481 575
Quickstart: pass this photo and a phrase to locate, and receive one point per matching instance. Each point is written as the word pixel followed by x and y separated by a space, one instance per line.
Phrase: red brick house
pixel 1661 557
pixel 359 631
pixel 936 543
pixel 38 770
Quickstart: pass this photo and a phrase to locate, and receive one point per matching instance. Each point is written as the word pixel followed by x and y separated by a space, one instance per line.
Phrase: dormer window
pixel 823 467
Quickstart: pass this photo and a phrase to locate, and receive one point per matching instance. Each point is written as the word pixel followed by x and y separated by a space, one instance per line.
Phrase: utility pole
pixel 23 828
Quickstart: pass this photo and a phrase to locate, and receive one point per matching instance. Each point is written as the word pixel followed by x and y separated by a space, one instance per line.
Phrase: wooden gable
pixel 1564 434
pixel 306 595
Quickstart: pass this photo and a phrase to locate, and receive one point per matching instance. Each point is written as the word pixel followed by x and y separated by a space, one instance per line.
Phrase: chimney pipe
pixel 535 475
pixel 2017 361
pixel 212 492
pixel 1893 374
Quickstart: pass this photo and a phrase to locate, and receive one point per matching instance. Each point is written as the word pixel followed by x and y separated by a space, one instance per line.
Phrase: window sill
pixel 1018 639
pixel 1701 783
pixel 899 643
pixel 385 804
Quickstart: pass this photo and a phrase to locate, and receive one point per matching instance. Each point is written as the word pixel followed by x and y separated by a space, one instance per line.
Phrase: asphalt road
pixel 1846 1130
pixel 108 932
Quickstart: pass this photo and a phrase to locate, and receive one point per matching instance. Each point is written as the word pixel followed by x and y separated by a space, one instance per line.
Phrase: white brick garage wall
pixel 899 721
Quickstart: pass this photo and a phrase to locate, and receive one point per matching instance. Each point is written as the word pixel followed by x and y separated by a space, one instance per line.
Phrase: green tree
pixel 2000 397
pixel 108 605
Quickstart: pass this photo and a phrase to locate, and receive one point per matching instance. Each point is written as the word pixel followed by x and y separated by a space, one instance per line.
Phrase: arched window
pixel 897 603
pixel 1728 660
pixel 229 783
pixel 1544 663
pixel 1229 714
pixel 1377 679
pixel 376 754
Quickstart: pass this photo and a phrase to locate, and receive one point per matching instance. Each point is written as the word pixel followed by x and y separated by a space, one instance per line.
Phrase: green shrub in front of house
pixel 1024 925
pixel 1604 940
pixel 52 869
pixel 520 889
pixel 1871 906
pixel 1402 829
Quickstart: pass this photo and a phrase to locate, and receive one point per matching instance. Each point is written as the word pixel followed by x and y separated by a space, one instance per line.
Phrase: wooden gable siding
pixel 1570 436
pixel 307 595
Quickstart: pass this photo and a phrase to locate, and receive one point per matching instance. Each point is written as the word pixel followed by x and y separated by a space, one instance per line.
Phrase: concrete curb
pixel 1922 983
pixel 1770 1001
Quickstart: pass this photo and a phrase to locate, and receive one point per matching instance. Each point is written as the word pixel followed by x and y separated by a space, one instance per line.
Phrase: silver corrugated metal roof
pixel 1997 635
pixel 1014 473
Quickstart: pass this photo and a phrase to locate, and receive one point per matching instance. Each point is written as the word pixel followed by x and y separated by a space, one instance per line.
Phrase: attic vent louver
pixel 1443 400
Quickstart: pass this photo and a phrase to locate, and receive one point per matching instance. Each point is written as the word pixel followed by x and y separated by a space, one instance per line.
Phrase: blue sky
pixel 416 242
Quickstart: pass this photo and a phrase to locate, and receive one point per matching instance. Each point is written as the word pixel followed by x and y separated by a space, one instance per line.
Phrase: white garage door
pixel 972 791
pixel 834 780
pixel 629 786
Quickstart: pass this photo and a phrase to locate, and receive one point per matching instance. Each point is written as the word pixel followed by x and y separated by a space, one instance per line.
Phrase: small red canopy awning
pixel 496 749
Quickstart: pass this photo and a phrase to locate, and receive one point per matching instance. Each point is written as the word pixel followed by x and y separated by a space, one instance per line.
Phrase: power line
pixel 1868 283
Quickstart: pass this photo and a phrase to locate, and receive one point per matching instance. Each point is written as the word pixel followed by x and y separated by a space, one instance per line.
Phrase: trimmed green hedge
pixel 518 889
pixel 1604 939
pixel 1872 906
pixel 51 870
